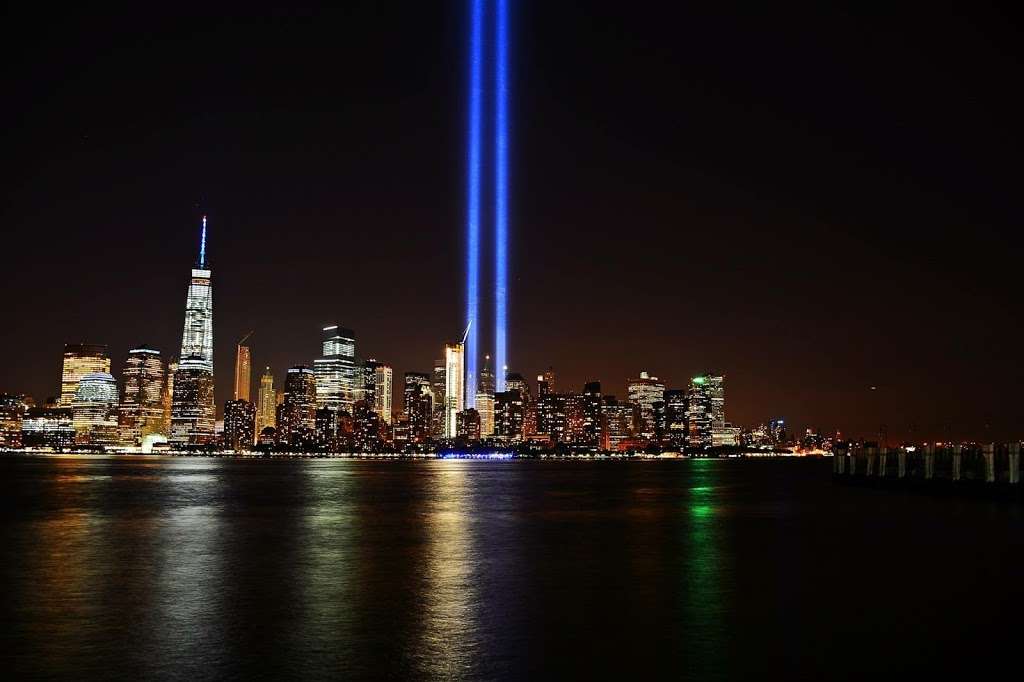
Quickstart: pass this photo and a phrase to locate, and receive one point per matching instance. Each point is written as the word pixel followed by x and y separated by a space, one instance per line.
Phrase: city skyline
pixel 656 224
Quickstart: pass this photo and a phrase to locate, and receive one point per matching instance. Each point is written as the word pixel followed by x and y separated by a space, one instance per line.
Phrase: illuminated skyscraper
pixel 437 386
pixel 94 410
pixel 193 417
pixel 485 399
pixel 516 382
pixel 197 338
pixel 509 414
pixel 193 414
pixel 13 413
pixel 266 412
pixel 454 388
pixel 418 404
pixel 337 383
pixel 80 359
pixel 675 417
pixel 239 425
pixel 383 379
pixel 644 393
pixel 243 370
pixel 591 429
pixel 142 396
pixel 298 422
pixel 468 425
pixel 698 414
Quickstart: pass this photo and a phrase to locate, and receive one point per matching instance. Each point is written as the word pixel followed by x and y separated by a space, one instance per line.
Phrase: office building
pixel 266 408
pixel 80 359
pixel 698 414
pixel 643 393
pixel 239 425
pixel 468 425
pixel 383 380
pixel 454 387
pixel 485 399
pixel 94 410
pixel 338 382
pixel 193 415
pixel 509 414
pixel 243 369
pixel 143 381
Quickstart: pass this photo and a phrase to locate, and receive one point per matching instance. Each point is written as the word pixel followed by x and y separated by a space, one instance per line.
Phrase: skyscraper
pixel 698 414
pixel 418 404
pixel 644 392
pixel 337 384
pixel 383 379
pixel 243 369
pixel 80 359
pixel 193 414
pixel 485 399
pixel 454 388
pixel 193 417
pixel 509 413
pixel 516 382
pixel 592 429
pixel 675 417
pixel 197 339
pixel 142 401
pixel 94 410
pixel 266 411
pixel 299 407
pixel 239 425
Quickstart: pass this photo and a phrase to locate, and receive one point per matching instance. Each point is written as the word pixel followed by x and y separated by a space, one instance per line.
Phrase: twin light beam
pixel 473 191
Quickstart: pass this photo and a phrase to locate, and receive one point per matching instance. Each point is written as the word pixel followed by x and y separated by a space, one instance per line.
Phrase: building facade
pixel 454 386
pixel 94 410
pixel 141 413
pixel 644 392
pixel 338 383
pixel 80 359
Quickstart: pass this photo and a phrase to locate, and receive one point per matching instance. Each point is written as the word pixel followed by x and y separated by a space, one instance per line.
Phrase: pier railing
pixel 992 465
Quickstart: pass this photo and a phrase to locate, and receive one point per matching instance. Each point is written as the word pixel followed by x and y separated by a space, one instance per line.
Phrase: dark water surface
pixel 208 568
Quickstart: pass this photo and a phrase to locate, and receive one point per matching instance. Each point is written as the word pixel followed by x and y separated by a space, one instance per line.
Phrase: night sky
pixel 813 201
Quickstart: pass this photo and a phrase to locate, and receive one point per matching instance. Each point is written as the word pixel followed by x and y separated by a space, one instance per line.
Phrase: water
pixel 185 568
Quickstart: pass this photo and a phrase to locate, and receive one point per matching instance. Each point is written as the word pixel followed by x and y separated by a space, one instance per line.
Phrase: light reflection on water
pixel 171 568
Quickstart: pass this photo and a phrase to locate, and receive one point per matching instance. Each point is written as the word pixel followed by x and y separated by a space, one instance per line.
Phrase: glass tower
pixel 336 371
pixel 193 414
pixel 80 359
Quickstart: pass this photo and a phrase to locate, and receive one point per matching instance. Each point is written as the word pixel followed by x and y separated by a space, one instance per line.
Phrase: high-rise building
pixel 619 422
pixel 516 382
pixel 454 388
pixel 418 404
pixel 337 382
pixel 141 412
pixel 439 418
pixel 243 369
pixel 509 413
pixel 299 407
pixel 48 427
pixel 327 429
pixel 468 425
pixel 367 373
pixel 698 414
pixel 675 418
pixel 591 428
pixel 94 410
pixel 644 392
pixel 383 380
pixel 193 413
pixel 197 338
pixel 485 399
pixel 193 416
pixel 167 396
pixel 13 409
pixel 267 407
pixel 80 359
pixel 367 428
pixel 239 425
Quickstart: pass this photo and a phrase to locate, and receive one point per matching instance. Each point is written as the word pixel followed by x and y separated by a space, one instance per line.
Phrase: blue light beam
pixel 473 198
pixel 501 195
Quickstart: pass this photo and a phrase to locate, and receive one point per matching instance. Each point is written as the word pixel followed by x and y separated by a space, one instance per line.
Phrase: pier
pixel 987 469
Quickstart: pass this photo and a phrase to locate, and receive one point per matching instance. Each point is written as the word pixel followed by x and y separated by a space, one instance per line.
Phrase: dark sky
pixel 812 200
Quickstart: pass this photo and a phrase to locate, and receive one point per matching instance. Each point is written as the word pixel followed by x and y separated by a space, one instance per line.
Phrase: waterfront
pixel 693 569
